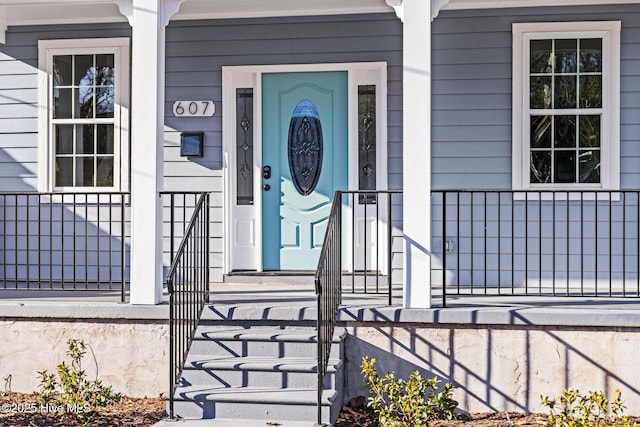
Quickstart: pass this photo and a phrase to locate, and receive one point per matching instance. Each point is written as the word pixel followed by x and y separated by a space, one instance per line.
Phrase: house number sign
pixel 193 108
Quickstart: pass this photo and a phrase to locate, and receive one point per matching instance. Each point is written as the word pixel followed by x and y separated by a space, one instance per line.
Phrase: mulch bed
pixel 23 410
pixel 19 409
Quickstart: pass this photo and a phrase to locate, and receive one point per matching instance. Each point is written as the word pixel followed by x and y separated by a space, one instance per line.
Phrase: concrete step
pixel 255 403
pixel 233 423
pixel 265 341
pixel 226 371
pixel 274 313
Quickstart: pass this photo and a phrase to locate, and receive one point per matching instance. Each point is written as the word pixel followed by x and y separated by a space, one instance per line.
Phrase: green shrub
pixel 571 409
pixel 71 393
pixel 412 403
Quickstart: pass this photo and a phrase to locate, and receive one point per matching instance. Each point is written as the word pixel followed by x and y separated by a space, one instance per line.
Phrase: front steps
pixel 245 366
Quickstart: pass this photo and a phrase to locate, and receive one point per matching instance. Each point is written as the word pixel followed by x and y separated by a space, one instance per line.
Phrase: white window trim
pixel 609 31
pixel 46 50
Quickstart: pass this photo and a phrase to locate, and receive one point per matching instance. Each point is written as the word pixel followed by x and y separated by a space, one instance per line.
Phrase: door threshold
pixel 306 277
pixel 272 273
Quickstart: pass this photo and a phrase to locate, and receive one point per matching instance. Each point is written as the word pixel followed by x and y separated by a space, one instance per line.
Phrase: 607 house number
pixel 193 108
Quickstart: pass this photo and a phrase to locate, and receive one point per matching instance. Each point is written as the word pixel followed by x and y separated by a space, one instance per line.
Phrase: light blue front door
pixel 305 159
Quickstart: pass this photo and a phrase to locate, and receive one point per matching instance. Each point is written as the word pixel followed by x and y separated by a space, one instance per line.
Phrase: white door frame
pixel 247 255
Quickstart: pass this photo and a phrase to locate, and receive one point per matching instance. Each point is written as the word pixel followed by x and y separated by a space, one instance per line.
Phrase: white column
pixel 416 152
pixel 147 123
pixel 3 26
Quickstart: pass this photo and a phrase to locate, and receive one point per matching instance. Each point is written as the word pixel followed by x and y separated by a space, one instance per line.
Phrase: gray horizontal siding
pixel 472 92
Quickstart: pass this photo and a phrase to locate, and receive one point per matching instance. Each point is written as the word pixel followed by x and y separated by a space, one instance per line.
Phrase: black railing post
pixel 389 246
pixel 444 248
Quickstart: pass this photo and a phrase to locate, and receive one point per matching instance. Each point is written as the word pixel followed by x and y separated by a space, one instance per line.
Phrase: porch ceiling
pixel 37 12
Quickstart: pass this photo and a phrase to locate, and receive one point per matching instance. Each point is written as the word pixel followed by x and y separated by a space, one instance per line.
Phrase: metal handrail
pixel 367 269
pixel 188 287
pixel 328 282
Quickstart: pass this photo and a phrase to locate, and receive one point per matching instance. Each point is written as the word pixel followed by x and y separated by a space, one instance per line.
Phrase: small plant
pixel 411 403
pixel 71 392
pixel 571 409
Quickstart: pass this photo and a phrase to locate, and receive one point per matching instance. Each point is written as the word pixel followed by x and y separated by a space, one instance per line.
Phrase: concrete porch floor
pixel 295 297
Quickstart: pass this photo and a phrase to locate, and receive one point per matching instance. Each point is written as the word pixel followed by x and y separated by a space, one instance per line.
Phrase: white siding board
pixel 9 111
pixel 11 67
pixel 18 140
pixel 18 81
pixel 18 125
pixel 19 96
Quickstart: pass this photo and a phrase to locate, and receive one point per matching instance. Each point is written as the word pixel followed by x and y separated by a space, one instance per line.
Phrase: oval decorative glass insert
pixel 305 147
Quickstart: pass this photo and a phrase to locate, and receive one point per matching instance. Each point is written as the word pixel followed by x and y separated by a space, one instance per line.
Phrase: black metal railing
pixel 558 243
pixel 328 283
pixel 188 287
pixel 178 208
pixel 75 241
pixel 368 225
pixel 366 219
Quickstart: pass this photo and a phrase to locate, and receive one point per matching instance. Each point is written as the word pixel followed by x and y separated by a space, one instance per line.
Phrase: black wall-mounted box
pixel 191 144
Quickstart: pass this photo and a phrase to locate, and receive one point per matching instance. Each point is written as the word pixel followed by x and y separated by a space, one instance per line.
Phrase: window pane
pixel 564 131
pixel 105 60
pixel 105 139
pixel 244 150
pixel 84 171
pixel 84 105
pixel 367 141
pixel 565 95
pixel 590 91
pixel 565 166
pixel 541 57
pixel 64 171
pixel 589 131
pixel 105 99
pixel 540 131
pixel 62 70
pixel 84 70
pixel 64 139
pixel 590 55
pixel 540 167
pixel 590 166
pixel 105 93
pixel 85 141
pixel 62 103
pixel 566 56
pixel 104 177
pixel 540 96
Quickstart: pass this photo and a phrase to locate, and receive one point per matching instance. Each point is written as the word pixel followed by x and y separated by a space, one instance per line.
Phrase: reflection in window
pixel 244 152
pixel 565 104
pixel 367 141
pixel 83 120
